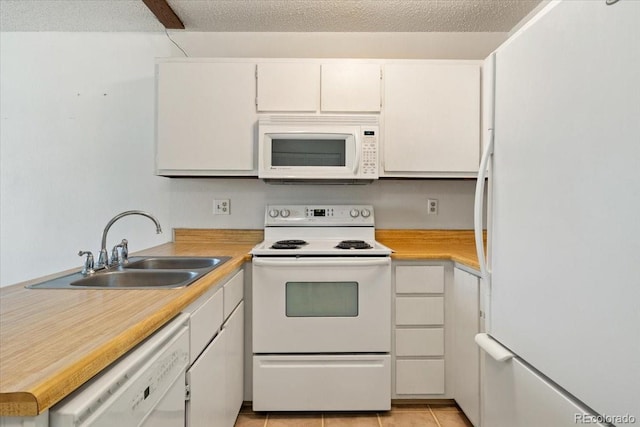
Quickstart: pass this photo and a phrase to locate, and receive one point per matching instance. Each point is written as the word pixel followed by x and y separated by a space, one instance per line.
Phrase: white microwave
pixel 318 147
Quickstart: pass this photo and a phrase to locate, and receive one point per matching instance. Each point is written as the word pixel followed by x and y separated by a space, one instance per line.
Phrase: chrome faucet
pixel 103 260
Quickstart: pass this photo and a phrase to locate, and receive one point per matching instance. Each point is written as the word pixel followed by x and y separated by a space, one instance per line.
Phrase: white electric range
pixel 320 230
pixel 321 311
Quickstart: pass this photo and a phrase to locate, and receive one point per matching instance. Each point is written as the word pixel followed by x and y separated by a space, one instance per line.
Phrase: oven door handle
pixel 321 262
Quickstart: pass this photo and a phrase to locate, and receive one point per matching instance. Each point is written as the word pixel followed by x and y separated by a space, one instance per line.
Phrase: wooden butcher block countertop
pixel 54 340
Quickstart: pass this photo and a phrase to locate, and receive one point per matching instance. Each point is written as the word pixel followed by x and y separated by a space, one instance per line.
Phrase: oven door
pixel 321 305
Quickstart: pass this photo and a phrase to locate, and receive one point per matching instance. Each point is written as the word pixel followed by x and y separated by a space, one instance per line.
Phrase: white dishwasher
pixel 146 387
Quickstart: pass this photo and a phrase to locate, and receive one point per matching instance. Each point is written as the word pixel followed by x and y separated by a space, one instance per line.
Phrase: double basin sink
pixel 140 273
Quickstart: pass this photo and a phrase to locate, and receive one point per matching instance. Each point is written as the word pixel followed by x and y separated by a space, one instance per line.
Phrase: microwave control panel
pixel 369 161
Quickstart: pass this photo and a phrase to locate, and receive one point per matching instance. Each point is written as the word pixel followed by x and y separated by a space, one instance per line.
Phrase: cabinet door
pixel 288 86
pixel 204 322
pixel 466 296
pixel 206 379
pixel 205 118
pixel 431 119
pixel 234 365
pixel 350 87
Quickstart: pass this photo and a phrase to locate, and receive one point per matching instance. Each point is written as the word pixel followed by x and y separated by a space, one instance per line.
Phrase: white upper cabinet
pixel 431 119
pixel 288 86
pixel 350 87
pixel 205 118
pixel 207 110
pixel 336 87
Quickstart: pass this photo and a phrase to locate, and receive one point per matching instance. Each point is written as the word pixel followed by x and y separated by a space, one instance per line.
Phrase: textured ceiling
pixel 269 15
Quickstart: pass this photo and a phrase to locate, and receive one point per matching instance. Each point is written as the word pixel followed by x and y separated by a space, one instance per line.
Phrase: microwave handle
pixel 356 163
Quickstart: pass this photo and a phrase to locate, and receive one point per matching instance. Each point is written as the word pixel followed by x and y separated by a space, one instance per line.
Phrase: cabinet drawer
pixel 419 279
pixel 420 342
pixel 419 310
pixel 420 377
pixel 205 322
pixel 233 293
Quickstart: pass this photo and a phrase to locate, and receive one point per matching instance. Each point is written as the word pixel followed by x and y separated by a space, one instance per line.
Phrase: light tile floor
pixel 405 415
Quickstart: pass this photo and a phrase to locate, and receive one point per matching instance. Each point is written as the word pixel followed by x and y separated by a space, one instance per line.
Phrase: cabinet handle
pixel 493 348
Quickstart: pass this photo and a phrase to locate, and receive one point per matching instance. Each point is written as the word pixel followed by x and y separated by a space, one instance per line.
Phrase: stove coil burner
pixel 353 244
pixel 288 244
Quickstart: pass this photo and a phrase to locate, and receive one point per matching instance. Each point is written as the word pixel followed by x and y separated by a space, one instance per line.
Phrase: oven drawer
pixel 322 383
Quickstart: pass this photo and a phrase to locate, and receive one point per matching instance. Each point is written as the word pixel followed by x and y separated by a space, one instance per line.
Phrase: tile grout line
pixel 379 420
pixel 434 417
pixel 322 418
pixel 266 420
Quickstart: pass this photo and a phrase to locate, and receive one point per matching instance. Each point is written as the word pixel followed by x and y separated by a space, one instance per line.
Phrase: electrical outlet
pixel 432 206
pixel 222 207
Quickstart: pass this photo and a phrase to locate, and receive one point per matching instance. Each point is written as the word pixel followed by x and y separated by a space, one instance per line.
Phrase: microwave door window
pixel 308 152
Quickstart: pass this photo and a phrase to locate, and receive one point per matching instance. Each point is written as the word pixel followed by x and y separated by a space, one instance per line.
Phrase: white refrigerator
pixel 561 280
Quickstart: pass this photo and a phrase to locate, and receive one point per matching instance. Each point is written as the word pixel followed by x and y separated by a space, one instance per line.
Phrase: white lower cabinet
pixel 234 364
pixel 215 379
pixel 466 354
pixel 41 420
pixel 206 381
pixel 420 332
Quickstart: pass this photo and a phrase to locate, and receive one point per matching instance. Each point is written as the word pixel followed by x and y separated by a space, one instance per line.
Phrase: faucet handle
pixel 116 257
pixel 125 251
pixel 87 268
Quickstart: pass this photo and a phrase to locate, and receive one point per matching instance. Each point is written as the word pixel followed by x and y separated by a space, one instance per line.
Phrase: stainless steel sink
pixel 173 263
pixel 140 273
pixel 137 279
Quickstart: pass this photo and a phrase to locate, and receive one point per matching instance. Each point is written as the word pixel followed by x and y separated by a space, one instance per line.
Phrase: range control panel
pixel 319 215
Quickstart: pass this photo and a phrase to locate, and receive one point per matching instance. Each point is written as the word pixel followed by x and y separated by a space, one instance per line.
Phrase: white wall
pixel 77 142
pixel 76 147
pixel 397 203
pixel 340 45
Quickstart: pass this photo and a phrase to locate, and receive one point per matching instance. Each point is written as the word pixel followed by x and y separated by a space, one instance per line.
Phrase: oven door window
pixel 308 152
pixel 322 299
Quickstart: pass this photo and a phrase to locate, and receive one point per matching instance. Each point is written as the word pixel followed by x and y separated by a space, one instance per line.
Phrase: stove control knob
pixel 354 213
pixel 284 213
pixel 273 213
pixel 366 213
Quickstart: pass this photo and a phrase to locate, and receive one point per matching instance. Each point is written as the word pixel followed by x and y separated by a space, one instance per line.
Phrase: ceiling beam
pixel 164 13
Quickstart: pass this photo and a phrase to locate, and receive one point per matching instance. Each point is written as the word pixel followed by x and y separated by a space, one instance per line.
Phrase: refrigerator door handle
pixel 477 208
pixel 493 348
